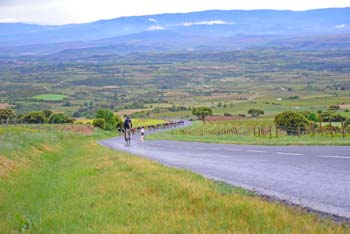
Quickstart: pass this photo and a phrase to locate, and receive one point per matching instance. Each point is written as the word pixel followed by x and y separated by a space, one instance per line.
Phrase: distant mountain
pixel 236 29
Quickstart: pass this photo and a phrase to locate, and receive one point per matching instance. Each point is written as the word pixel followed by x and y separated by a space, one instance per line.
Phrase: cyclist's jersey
pixel 127 124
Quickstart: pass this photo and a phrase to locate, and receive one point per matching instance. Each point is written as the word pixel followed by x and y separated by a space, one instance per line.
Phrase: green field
pixel 50 97
pixel 60 182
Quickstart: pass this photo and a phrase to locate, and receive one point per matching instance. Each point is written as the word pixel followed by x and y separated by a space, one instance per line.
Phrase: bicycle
pixel 127 136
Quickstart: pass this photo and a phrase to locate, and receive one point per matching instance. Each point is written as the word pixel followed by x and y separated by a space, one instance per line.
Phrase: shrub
pixel 328 128
pixel 290 121
pixel 334 108
pixel 255 112
pixel 47 113
pixel 6 114
pixel 34 117
pixel 99 123
pixel 330 116
pixel 347 122
pixel 111 121
pixel 59 118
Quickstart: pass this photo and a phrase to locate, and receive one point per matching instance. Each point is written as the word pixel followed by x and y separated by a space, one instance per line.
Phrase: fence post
pixel 342 128
pixel 331 127
pixel 298 131
pixel 270 130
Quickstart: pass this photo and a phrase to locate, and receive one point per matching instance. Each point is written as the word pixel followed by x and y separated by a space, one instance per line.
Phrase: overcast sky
pixel 78 11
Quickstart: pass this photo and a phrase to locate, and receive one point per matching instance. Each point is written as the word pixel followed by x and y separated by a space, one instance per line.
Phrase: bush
pixel 331 117
pixel 111 121
pixel 347 122
pixel 99 123
pixel 34 117
pixel 227 114
pixel 59 118
pixel 255 112
pixel 47 113
pixel 290 121
pixel 334 108
pixel 6 114
pixel 335 129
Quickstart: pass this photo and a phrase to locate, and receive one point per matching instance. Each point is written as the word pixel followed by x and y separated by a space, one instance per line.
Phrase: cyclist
pixel 127 129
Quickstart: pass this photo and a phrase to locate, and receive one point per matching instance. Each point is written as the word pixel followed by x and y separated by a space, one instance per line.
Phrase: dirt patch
pixel 223 118
pixel 84 129
pixel 344 106
pixel 6 166
pixel 4 105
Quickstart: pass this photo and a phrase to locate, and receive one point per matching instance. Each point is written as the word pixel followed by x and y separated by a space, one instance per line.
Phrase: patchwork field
pixel 169 85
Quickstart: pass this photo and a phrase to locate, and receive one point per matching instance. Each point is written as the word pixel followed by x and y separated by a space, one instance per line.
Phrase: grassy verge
pixel 70 184
pixel 251 140
pixel 248 139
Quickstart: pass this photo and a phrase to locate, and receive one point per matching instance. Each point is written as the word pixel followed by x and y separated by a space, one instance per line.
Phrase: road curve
pixel 317 177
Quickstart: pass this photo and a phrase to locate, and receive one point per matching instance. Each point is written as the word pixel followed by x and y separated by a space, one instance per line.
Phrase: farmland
pixel 169 85
pixel 50 97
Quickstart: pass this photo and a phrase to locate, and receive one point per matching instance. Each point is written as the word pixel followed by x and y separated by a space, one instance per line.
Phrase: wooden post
pixel 331 127
pixel 270 130
pixel 298 131
pixel 342 129
pixel 254 131
pixel 320 125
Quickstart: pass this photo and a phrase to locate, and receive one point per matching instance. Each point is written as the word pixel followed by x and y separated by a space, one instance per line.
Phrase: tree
pixel 291 121
pixel 111 121
pixel 255 112
pixel 202 112
pixel 99 123
pixel 6 114
pixel 34 117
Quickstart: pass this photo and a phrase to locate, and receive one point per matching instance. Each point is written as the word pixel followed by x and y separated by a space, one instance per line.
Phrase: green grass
pixel 251 140
pixel 50 97
pixel 66 183
pixel 201 132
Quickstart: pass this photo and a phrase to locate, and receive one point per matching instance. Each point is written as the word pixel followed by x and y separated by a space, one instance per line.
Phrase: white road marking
pixel 257 151
pixel 331 156
pixel 233 149
pixel 282 153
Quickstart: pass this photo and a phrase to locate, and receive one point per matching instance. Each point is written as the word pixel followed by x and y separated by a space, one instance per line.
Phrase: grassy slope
pixel 67 183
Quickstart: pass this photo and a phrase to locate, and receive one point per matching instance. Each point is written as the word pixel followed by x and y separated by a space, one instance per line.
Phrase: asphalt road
pixel 317 177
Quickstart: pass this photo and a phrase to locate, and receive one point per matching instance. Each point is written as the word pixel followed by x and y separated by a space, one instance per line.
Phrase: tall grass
pixel 81 187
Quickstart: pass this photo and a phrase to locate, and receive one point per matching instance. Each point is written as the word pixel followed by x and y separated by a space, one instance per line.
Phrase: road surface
pixel 317 177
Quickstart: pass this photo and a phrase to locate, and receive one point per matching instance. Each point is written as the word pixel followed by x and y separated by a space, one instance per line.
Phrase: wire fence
pixel 214 129
pixel 81 128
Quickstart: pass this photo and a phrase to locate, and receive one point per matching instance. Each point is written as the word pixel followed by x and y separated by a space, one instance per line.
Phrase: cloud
pixel 340 26
pixel 155 28
pixel 152 20
pixel 212 22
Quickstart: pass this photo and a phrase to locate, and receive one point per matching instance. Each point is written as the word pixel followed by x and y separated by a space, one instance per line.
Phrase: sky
pixel 80 11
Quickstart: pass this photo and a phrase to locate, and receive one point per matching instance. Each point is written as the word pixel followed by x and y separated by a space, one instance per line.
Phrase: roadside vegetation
pixel 63 182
